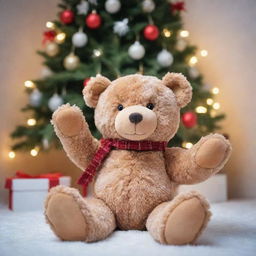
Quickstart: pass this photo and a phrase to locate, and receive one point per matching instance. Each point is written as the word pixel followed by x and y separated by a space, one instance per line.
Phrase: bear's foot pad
pixel 65 217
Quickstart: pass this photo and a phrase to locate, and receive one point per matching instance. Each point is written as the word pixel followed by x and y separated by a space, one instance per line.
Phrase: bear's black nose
pixel 135 118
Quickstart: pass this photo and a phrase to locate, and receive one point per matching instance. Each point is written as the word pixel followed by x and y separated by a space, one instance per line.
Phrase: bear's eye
pixel 120 107
pixel 150 106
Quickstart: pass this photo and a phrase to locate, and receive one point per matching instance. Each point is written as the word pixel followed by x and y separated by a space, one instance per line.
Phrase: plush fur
pixel 137 187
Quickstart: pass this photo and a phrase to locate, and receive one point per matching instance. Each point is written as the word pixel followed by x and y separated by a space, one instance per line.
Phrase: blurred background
pixel 227 29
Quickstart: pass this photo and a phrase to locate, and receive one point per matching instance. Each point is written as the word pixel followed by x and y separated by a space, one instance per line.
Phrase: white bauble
pixel 35 98
pixel 71 61
pixel 193 72
pixel 83 7
pixel 164 58
pixel 45 72
pixel 136 51
pixel 148 6
pixel 79 39
pixel 45 143
pixel 54 102
pixel 121 27
pixel 52 49
pixel 181 45
pixel 112 6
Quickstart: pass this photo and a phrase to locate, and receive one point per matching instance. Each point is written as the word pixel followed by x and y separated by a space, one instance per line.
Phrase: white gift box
pixel 214 189
pixel 28 194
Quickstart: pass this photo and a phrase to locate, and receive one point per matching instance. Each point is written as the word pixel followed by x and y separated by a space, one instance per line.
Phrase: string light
pixel 204 53
pixel 11 154
pixel 215 90
pixel 167 32
pixel 213 113
pixel 34 151
pixel 187 145
pixel 193 60
pixel 209 101
pixel 29 84
pixel 60 38
pixel 97 53
pixel 216 105
pixel 201 110
pixel 184 33
pixel 31 122
pixel 50 24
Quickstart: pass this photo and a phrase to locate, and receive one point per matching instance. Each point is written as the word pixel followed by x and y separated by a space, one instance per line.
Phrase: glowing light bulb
pixel 50 24
pixel 209 101
pixel 187 145
pixel 167 32
pixel 184 33
pixel 213 113
pixel 204 53
pixel 31 121
pixel 193 60
pixel 97 53
pixel 29 84
pixel 216 105
pixel 215 90
pixel 201 110
pixel 11 154
pixel 60 38
pixel 34 151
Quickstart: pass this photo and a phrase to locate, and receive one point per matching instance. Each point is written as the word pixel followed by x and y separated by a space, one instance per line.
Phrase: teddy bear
pixel 134 174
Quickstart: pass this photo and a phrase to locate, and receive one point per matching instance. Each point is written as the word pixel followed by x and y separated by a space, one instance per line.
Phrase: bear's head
pixel 137 107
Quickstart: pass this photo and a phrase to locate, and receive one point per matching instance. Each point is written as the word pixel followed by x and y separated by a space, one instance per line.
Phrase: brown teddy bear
pixel 134 175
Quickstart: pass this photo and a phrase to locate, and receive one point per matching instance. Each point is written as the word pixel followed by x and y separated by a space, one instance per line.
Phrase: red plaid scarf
pixel 107 145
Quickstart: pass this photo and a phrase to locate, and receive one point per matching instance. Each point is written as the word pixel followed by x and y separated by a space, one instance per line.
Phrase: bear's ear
pixel 180 87
pixel 94 88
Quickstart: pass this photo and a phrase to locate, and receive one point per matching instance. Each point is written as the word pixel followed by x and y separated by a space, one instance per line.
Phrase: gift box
pixel 27 192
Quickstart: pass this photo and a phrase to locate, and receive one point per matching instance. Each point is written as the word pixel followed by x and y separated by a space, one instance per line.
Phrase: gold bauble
pixel 52 49
pixel 71 62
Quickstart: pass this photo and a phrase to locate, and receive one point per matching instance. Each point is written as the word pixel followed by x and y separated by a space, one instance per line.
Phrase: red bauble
pixel 93 20
pixel 151 32
pixel 67 16
pixel 189 119
pixel 177 7
pixel 86 80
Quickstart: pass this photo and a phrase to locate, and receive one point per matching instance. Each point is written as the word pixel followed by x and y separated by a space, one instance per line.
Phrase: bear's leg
pixel 179 221
pixel 73 218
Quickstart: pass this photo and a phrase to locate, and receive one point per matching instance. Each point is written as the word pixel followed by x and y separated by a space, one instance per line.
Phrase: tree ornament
pixel 148 6
pixel 79 39
pixel 52 49
pixel 151 32
pixel 93 20
pixel 54 102
pixel 86 81
pixel 164 58
pixel 67 16
pixel 46 72
pixel 45 143
pixel 35 98
pixel 189 119
pixel 112 6
pixel 177 6
pixel 121 27
pixel 193 72
pixel 181 45
pixel 136 51
pixel 48 36
pixel 71 61
pixel 95 2
pixel 82 8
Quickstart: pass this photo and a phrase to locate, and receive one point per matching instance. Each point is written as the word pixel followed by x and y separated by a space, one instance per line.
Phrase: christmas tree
pixel 113 38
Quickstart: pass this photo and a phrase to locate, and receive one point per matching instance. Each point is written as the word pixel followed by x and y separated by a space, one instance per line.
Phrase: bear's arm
pixel 74 134
pixel 204 159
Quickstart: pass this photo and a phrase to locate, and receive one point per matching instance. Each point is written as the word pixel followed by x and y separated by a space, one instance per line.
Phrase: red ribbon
pixel 178 6
pixel 53 181
pixel 48 35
